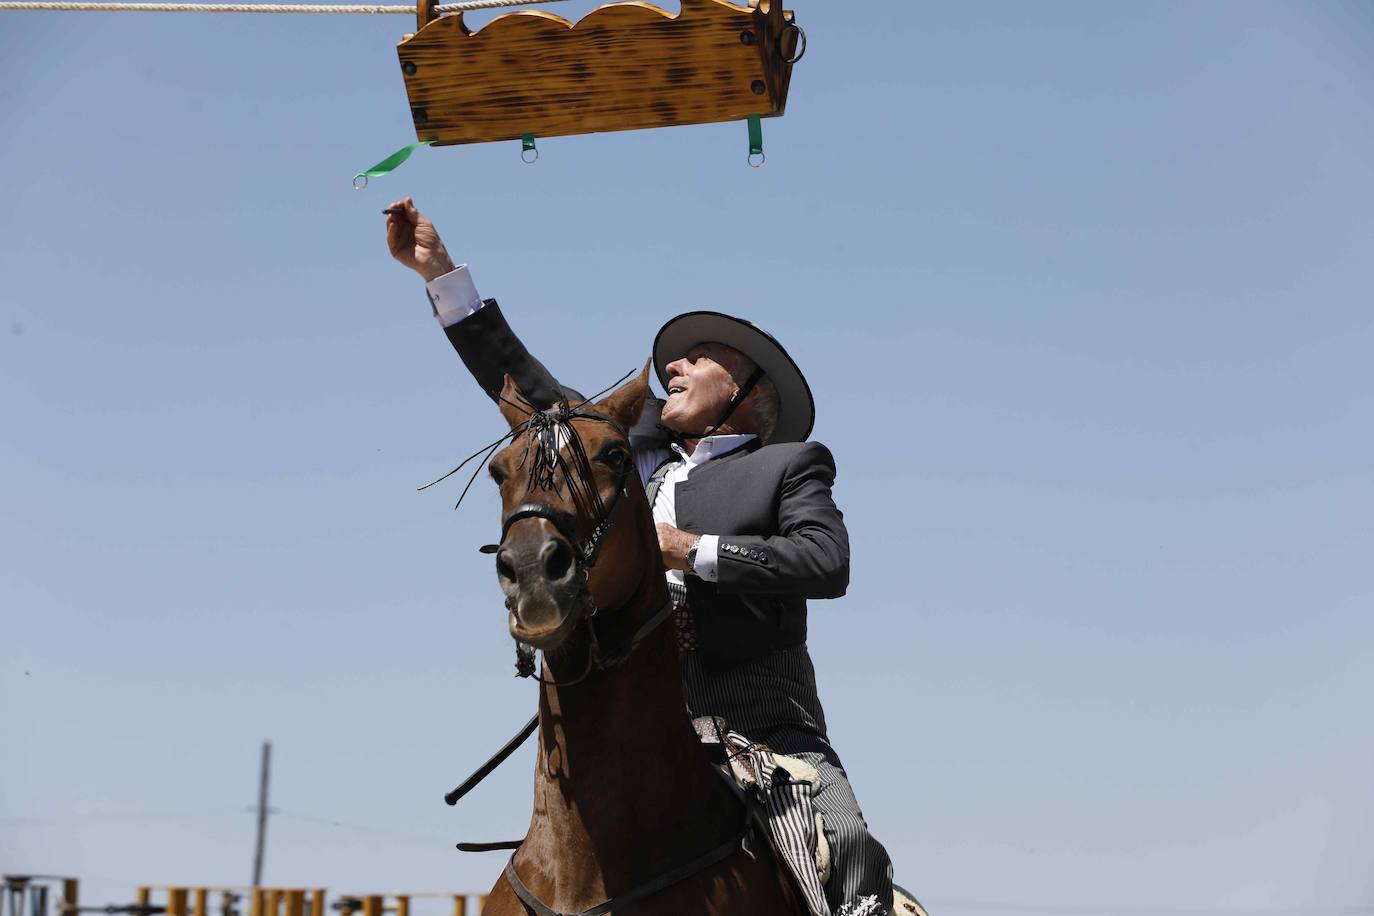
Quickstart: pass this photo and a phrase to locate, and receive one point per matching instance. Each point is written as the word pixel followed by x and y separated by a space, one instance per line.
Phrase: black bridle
pixel 544 431
pixel 556 457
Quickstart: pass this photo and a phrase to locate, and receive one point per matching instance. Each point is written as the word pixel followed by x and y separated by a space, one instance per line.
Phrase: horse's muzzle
pixel 538 571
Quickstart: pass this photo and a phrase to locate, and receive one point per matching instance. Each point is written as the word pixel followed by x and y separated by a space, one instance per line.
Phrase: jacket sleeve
pixel 491 351
pixel 809 556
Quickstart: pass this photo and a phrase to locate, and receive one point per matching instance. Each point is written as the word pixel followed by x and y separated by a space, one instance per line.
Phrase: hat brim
pixel 796 406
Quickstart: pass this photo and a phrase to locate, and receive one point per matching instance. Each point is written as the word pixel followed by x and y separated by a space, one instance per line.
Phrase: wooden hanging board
pixel 625 66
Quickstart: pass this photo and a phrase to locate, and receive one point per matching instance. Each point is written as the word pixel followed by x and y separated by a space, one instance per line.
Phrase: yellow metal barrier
pixel 39 895
pixel 175 900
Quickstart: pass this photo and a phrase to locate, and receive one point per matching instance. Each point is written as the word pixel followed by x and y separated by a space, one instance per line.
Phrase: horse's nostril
pixel 558 559
pixel 504 569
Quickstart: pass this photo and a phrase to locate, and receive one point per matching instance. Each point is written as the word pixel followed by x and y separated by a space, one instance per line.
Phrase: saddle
pixel 778 791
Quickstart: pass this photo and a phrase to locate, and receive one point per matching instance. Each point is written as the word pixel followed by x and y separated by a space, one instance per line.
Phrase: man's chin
pixel 671 420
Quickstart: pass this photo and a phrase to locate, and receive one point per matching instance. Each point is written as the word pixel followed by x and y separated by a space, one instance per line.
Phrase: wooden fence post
pixel 71 890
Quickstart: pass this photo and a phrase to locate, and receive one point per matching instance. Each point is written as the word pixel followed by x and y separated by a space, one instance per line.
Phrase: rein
pixel 648 889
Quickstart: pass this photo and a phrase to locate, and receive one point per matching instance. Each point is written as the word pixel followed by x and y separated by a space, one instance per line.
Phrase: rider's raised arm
pixel 475 327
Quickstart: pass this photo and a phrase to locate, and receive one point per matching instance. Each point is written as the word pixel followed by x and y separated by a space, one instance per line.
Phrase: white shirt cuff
pixel 708 558
pixel 453 296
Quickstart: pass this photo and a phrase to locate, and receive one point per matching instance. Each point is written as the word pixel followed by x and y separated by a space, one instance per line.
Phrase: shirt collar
pixel 713 447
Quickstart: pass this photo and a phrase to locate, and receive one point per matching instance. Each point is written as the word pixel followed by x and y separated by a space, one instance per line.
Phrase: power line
pixel 117 817
pixel 430 842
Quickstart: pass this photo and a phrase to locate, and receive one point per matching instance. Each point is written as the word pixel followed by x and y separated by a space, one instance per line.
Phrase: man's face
pixel 700 387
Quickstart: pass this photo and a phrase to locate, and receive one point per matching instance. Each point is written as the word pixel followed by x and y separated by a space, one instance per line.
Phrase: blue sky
pixel 1085 293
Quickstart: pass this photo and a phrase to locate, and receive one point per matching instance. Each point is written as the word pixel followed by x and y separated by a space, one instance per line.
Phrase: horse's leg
pixel 502 901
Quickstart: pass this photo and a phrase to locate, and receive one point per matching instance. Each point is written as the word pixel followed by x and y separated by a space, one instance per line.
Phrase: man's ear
pixel 513 405
pixel 625 404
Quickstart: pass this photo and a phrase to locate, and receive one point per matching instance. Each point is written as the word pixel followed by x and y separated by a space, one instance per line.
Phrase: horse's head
pixel 570 495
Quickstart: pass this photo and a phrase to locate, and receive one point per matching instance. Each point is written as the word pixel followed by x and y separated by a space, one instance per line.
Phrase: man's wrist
pixel 692 556
pixel 437 266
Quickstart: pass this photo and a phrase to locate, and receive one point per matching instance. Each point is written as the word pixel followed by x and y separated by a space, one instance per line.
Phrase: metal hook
pixel 801 45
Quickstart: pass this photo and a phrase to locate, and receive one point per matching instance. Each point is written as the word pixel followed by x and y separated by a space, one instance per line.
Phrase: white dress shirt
pixel 454 297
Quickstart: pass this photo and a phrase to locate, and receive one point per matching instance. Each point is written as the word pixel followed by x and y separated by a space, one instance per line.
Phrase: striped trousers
pixel 773 700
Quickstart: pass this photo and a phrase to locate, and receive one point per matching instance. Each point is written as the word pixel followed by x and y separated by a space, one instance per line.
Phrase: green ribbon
pixel 755 139
pixel 527 146
pixel 389 164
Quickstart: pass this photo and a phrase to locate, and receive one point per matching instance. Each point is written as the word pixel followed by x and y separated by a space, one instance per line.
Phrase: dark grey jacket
pixel 782 539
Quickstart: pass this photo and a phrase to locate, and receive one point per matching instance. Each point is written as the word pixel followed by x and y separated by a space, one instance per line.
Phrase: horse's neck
pixel 623 789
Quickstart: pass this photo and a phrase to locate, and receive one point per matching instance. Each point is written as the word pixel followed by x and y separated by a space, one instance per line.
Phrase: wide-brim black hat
pixel 796 406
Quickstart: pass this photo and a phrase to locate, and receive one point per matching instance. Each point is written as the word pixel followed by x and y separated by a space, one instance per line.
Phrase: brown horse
pixel 624 793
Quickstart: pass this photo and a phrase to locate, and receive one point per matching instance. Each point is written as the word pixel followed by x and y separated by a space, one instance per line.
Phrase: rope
pixel 54 5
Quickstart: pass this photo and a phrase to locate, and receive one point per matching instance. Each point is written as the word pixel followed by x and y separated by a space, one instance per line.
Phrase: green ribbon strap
pixel 756 141
pixel 389 164
pixel 527 146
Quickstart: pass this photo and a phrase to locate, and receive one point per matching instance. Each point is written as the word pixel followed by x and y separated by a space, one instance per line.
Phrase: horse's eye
pixel 497 475
pixel 615 458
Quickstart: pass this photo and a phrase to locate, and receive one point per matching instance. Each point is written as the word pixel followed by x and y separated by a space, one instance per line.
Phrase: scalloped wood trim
pixel 624 66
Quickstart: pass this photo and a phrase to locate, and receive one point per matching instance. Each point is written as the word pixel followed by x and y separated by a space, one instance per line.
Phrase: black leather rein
pixel 648 889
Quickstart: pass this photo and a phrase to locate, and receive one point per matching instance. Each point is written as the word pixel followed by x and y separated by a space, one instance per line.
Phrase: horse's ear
pixel 626 403
pixel 512 404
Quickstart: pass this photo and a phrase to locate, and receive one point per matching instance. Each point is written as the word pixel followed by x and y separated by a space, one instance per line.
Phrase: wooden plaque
pixel 625 66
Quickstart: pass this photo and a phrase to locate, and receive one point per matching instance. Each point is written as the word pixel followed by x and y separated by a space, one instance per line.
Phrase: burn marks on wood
pixel 626 66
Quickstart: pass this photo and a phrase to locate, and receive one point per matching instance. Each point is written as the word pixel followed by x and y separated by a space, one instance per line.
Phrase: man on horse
pixel 747 525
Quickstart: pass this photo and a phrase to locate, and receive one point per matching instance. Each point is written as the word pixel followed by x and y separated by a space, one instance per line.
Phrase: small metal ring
pixel 761 160
pixel 525 156
pixel 801 44
pixel 359 187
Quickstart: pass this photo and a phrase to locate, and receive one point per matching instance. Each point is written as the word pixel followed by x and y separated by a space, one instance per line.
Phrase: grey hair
pixel 766 404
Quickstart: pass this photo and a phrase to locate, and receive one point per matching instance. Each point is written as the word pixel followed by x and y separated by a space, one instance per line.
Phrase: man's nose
pixel 678 367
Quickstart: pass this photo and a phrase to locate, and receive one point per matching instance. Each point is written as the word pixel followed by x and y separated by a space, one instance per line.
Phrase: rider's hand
pixel 415 242
pixel 674 543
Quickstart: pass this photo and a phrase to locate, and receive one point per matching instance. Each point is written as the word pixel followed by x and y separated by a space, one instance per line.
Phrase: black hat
pixel 796 407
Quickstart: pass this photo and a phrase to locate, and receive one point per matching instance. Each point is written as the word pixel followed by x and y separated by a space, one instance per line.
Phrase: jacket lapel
pixel 689 495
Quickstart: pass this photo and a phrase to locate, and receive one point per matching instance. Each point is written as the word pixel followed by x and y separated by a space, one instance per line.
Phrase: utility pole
pixel 262 812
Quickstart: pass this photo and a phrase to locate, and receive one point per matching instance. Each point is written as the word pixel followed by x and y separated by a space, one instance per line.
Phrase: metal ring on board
pixel 761 160
pixel 801 44
pixel 527 159
pixel 359 187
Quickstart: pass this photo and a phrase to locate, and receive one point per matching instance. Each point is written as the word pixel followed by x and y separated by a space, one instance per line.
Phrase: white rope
pixel 54 5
